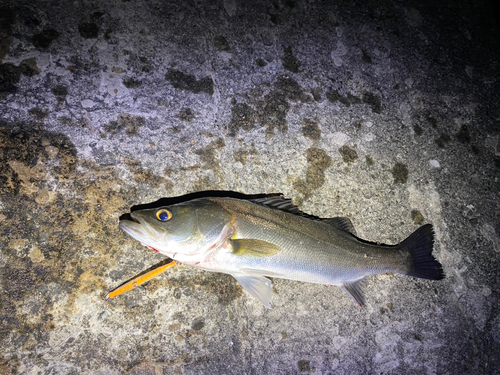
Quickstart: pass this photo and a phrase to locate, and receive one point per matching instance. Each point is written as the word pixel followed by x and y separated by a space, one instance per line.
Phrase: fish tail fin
pixel 420 245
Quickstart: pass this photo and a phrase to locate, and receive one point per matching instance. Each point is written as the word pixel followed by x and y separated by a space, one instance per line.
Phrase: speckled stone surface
pixel 386 113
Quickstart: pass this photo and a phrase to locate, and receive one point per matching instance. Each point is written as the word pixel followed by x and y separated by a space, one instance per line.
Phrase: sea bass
pixel 252 239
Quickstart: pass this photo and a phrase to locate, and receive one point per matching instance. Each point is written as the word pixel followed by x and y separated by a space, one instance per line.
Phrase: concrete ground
pixel 386 113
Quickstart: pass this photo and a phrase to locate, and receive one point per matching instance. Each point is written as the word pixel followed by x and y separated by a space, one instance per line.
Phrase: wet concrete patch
pixel 311 129
pixel 270 110
pixel 44 39
pixel 188 82
pixel 11 74
pixel 60 92
pixel 317 162
pixel 289 61
pixel 131 125
pixel 131 83
pixel 88 30
pixel 46 271
pixel 400 173
pixel 186 114
pixel 348 154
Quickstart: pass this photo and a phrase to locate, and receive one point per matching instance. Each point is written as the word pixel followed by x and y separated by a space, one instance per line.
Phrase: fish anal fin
pixel 253 248
pixel 354 290
pixel 259 287
pixel 342 223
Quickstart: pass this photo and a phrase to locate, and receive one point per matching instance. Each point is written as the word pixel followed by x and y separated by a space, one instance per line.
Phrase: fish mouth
pixel 138 228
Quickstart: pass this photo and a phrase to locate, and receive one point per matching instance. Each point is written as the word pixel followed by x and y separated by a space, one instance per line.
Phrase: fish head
pixel 180 230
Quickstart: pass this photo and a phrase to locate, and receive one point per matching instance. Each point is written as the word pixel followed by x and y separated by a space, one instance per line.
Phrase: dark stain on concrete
pixel 400 173
pixel 131 83
pixel 225 287
pixel 311 129
pixel 131 124
pixel 208 155
pixel 304 365
pixel 24 145
pixel 334 96
pixel 88 30
pixel 271 112
pixel 44 39
pixel 186 114
pixel 289 61
pixel 316 93
pixel 198 324
pixel 369 161
pixel 221 43
pixel 81 122
pixel 29 68
pixel 38 113
pixel 241 155
pixel 260 62
pixel 242 117
pixel 497 162
pixel 432 121
pixel 348 154
pixel 60 92
pixel 318 161
pixel 7 20
pixel 373 100
pixel 366 57
pixel 292 89
pixel 188 82
pixel 463 134
pixel 418 130
pixel 442 140
pixel 210 161
pixel 417 217
pixel 369 98
pixel 10 75
pixel 145 175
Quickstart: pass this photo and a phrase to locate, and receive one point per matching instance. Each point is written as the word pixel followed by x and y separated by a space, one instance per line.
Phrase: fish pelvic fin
pixel 354 290
pixel 259 287
pixel 420 245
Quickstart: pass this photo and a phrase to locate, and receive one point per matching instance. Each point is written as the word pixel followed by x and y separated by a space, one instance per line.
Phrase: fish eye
pixel 163 215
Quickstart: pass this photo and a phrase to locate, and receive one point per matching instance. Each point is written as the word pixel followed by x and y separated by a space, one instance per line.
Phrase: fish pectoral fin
pixel 354 290
pixel 259 287
pixel 253 248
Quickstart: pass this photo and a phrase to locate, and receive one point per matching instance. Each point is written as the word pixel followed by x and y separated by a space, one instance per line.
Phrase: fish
pixel 254 239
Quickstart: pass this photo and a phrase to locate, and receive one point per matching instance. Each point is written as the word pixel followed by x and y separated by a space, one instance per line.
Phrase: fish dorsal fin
pixel 259 287
pixel 354 290
pixel 253 248
pixel 342 223
pixel 281 203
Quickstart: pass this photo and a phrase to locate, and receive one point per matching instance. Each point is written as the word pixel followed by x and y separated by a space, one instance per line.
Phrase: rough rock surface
pixel 387 113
